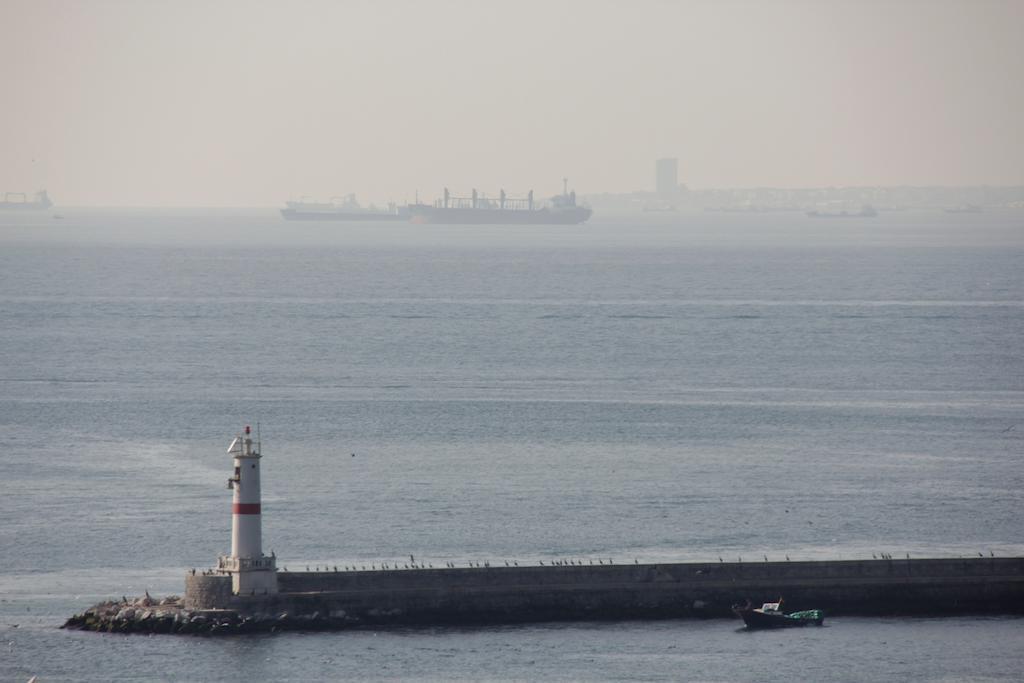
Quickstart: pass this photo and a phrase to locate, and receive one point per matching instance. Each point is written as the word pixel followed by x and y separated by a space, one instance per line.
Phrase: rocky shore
pixel 168 615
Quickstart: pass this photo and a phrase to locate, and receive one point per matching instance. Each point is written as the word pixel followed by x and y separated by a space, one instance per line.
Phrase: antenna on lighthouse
pixel 259 443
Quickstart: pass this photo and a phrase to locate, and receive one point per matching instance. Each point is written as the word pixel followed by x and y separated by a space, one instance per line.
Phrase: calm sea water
pixel 662 388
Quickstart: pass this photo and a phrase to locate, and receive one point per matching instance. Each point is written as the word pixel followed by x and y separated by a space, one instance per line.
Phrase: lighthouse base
pixel 258 582
pixel 250 576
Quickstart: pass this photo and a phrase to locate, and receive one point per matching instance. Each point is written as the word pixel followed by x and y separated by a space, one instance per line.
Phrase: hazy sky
pixel 249 103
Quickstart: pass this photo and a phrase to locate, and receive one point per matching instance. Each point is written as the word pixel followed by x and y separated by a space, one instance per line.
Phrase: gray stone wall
pixel 502 594
pixel 596 576
pixel 207 591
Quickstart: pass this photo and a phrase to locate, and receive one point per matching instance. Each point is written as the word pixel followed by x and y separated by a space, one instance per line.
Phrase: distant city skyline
pixel 235 103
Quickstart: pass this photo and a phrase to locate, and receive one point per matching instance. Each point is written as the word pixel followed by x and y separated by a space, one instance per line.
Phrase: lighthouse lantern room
pixel 252 572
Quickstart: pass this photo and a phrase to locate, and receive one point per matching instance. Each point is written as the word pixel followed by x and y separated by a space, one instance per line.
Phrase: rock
pixel 77 621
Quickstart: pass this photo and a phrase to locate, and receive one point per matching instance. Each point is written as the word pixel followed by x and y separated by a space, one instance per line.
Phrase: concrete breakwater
pixel 334 600
pixel 246 592
pixel 701 590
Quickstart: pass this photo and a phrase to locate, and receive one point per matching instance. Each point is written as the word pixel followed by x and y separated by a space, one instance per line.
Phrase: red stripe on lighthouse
pixel 245 508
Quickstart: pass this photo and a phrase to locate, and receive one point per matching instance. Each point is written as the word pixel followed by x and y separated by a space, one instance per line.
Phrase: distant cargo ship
pixel 348 209
pixel 504 210
pixel 20 201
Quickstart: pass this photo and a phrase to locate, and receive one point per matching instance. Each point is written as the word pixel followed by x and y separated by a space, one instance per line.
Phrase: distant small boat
pixel 770 615
pixel 753 208
pixel 866 211
pixel 965 208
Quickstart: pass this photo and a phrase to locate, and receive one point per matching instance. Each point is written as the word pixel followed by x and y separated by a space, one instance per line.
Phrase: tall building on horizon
pixel 666 176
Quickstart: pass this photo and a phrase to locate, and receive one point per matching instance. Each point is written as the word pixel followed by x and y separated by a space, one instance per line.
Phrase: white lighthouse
pixel 252 572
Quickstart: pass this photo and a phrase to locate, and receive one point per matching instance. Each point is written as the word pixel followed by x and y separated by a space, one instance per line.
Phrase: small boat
pixel 770 615
pixel 866 211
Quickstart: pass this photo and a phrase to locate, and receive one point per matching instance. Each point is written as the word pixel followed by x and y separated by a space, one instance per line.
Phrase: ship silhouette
pixel 504 210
